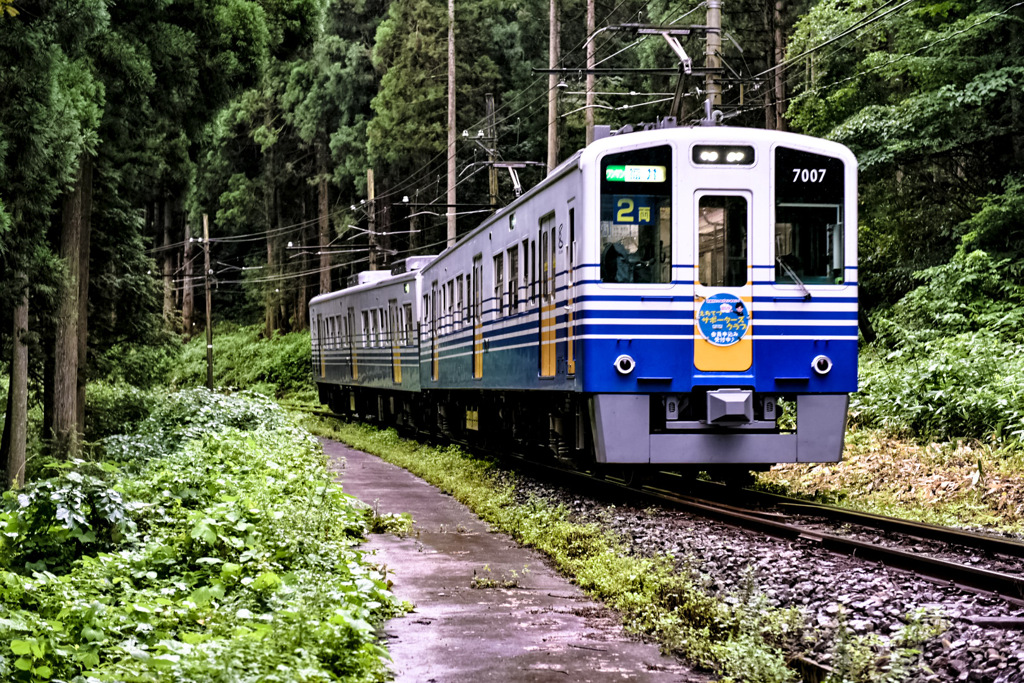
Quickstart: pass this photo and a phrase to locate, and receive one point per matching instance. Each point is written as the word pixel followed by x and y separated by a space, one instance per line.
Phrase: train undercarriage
pixel 577 430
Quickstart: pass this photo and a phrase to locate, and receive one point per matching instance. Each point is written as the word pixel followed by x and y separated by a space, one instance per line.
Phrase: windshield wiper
pixel 796 278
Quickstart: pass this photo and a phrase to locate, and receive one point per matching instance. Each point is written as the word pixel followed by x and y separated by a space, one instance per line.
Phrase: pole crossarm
pixel 668 71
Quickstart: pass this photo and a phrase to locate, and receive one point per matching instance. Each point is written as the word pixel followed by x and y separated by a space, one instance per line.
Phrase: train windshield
pixel 636 216
pixel 809 242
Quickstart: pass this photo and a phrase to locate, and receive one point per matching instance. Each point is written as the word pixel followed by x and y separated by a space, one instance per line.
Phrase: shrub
pixel 245 360
pixel 967 385
pixel 116 408
pixel 226 553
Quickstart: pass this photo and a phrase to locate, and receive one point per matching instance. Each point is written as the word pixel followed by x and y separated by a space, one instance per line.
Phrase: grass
pixel 739 637
pixel 962 483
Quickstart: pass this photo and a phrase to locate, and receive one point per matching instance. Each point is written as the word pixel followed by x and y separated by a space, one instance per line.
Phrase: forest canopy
pixel 309 138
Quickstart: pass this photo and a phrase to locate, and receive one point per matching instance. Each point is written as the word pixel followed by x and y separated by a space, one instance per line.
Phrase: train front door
pixel 723 282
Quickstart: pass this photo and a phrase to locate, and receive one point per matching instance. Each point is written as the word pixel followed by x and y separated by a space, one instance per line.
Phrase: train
pixel 674 297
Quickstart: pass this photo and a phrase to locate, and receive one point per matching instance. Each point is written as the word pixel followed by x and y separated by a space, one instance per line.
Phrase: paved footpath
pixel 545 629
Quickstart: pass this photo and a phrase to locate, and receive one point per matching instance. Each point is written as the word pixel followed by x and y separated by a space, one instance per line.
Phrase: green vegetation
pixel 741 638
pixel 245 359
pixel 210 545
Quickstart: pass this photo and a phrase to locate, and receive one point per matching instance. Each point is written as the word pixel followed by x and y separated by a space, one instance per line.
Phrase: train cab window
pixel 722 240
pixel 809 244
pixel 636 216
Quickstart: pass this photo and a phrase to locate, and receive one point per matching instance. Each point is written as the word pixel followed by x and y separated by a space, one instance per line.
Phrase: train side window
pixel 477 303
pixel 409 325
pixel 526 271
pixel 450 308
pixel 533 270
pixel 365 336
pixel 499 285
pixel 636 216
pixel 442 322
pixel 544 266
pixel 459 301
pixel 513 280
pixel 722 240
pixel 809 204
pixel 553 287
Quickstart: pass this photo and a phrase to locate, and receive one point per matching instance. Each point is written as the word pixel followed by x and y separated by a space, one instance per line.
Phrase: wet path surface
pixel 544 629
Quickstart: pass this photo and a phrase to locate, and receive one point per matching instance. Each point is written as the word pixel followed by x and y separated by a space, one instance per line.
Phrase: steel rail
pixel 934 532
pixel 1006 586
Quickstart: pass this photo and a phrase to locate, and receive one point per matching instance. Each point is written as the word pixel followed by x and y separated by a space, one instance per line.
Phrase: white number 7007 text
pixel 809 175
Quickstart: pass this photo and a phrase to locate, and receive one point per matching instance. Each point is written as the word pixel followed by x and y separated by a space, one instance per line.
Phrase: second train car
pixel 657 299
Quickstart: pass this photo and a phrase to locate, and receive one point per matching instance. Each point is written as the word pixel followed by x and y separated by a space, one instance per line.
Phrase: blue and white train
pixel 652 301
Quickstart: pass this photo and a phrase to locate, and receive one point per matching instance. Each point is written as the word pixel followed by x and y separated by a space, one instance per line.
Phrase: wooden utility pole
pixel 553 86
pixel 451 124
pixel 492 142
pixel 323 211
pixel 371 215
pixel 713 60
pixel 209 318
pixel 591 27
pixel 780 56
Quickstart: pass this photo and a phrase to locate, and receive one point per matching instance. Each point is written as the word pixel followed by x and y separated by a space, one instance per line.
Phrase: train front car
pixel 720 288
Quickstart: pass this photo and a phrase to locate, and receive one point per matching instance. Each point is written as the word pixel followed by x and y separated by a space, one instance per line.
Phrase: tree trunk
pixel 188 305
pixel 323 212
pixel 168 265
pixel 16 424
pixel 65 380
pixel 83 291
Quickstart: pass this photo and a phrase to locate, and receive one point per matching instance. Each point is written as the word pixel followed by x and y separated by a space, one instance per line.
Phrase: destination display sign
pixel 635 174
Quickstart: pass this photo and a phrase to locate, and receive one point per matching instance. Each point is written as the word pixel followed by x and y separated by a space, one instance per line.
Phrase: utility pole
pixel 713 61
pixel 492 142
pixel 553 86
pixel 372 235
pixel 591 48
pixel 451 124
pixel 209 318
pixel 780 83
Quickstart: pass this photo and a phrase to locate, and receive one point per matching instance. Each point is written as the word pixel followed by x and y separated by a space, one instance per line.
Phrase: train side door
pixel 394 325
pixel 320 344
pixel 570 292
pixel 723 282
pixel 354 361
pixel 435 359
pixel 548 311
pixel 477 317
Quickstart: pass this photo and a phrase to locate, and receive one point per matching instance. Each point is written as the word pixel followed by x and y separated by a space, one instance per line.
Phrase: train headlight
pixel 822 365
pixel 624 364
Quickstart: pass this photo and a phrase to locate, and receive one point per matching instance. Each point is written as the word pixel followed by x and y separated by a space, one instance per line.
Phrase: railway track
pixel 789 519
